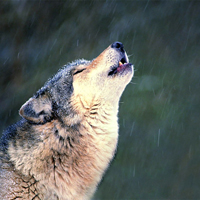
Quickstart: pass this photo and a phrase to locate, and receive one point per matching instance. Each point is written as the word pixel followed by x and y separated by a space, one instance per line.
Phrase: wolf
pixel 68 132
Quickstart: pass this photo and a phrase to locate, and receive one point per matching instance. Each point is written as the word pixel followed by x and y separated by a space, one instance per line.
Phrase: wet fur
pixel 67 135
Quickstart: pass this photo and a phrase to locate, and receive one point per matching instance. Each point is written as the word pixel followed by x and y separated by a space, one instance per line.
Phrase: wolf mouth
pixel 121 66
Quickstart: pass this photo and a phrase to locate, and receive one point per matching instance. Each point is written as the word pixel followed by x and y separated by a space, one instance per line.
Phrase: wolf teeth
pixel 120 63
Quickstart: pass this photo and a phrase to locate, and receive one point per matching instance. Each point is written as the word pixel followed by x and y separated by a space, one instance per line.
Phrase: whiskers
pixel 133 83
pixel 135 70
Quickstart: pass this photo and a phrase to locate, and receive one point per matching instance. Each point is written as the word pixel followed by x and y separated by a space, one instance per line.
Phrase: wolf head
pixel 80 86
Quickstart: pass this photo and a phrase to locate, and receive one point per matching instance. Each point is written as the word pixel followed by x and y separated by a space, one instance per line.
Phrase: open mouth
pixel 121 67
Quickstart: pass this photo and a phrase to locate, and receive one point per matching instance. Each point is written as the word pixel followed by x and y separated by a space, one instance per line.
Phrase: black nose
pixel 118 45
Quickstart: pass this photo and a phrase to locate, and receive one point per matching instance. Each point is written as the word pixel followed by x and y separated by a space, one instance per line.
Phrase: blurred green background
pixel 158 154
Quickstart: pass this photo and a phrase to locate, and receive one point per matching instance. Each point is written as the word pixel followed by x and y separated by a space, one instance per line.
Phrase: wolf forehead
pixel 62 81
pixel 64 74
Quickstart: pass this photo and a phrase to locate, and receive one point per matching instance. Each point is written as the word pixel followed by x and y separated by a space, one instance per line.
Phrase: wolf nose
pixel 118 45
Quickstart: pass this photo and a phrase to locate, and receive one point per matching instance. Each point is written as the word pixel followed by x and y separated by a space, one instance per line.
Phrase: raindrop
pixel 158 137
pixel 132 128
pixel 134 171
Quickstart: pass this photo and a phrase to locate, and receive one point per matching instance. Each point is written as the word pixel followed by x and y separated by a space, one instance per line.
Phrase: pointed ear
pixel 37 109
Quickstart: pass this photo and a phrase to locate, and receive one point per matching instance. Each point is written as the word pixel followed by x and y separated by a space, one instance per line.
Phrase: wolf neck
pixel 103 119
pixel 78 154
pixel 98 107
pixel 91 147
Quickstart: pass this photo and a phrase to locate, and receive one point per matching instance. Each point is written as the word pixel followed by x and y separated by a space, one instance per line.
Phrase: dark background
pixel 158 154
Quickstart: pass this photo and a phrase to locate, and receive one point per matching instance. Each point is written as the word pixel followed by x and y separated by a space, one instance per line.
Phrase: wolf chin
pixel 68 132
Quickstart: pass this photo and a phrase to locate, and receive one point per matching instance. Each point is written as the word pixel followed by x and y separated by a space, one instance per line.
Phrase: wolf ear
pixel 37 110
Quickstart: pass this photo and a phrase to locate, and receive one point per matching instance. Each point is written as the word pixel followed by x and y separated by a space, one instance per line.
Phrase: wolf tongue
pixel 122 66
